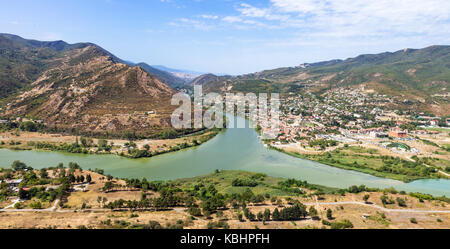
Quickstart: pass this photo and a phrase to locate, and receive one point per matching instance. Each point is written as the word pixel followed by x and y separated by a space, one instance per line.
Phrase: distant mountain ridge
pixel 186 75
pixel 418 75
pixel 166 77
pixel 172 70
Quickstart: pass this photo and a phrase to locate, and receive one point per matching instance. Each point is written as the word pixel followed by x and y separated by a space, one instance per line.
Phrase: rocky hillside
pixel 212 83
pixel 165 77
pixel 80 87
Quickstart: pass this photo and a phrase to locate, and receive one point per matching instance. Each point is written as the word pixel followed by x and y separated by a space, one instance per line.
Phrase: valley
pixel 374 125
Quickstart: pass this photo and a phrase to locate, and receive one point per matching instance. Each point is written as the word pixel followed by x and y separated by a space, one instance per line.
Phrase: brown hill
pixel 83 88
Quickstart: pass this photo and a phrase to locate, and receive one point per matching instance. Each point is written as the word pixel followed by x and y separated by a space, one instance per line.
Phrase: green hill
pixel 421 76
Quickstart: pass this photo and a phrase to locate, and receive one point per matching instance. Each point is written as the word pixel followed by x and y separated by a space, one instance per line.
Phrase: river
pixel 234 149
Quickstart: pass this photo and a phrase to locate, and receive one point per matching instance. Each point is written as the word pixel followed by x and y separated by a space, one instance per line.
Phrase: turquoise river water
pixel 234 149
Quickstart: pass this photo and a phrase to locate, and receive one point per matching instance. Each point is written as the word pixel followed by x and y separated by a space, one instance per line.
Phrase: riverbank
pixel 234 149
pixel 370 163
pixel 223 199
pixel 84 145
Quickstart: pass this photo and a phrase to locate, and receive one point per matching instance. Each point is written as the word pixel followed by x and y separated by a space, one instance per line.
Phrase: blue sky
pixel 229 36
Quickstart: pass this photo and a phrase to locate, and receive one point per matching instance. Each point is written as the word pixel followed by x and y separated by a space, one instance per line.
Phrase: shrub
pixel 239 182
pixel 216 225
pixel 195 211
pixel 401 202
pixel 329 214
pixel 344 224
pixel 36 205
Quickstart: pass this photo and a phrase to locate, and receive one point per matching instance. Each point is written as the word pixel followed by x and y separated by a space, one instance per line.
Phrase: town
pixel 349 118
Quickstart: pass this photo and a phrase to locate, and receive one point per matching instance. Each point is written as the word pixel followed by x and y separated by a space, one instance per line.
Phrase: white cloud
pixel 362 21
pixel 266 13
pixel 232 19
pixel 248 10
pixel 379 15
pixel 191 23
pixel 213 17
pixel 299 5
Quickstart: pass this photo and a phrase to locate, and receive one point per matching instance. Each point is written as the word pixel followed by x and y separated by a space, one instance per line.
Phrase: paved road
pixel 51 209
pixel 378 207
pixel 14 203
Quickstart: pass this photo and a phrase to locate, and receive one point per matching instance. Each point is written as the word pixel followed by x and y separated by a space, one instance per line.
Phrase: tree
pixel 102 143
pixel 276 214
pixel 88 178
pixel 267 214
pixel 72 178
pixel 143 195
pixel 313 213
pixel 74 166
pixel 147 147
pixel 18 205
pixel 329 214
pixel 18 165
pixel 28 126
pixel 260 216
pixel 295 212
pixel 62 172
pixel 84 142
pixel 108 185
pixel 249 215
pixel 43 174
pixel 195 211
pixel 24 195
pixel 401 202
pixel 279 203
pixel 366 198
pixel 240 218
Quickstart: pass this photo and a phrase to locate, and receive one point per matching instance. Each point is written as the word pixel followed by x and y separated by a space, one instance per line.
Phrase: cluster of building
pixel 21 120
pixel 13 185
pixel 347 111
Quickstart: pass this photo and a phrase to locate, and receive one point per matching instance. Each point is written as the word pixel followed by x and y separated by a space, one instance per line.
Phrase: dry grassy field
pixel 84 208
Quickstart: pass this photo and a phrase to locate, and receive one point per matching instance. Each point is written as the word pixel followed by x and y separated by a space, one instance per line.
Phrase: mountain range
pixel 79 87
pixel 420 77
pixel 84 88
